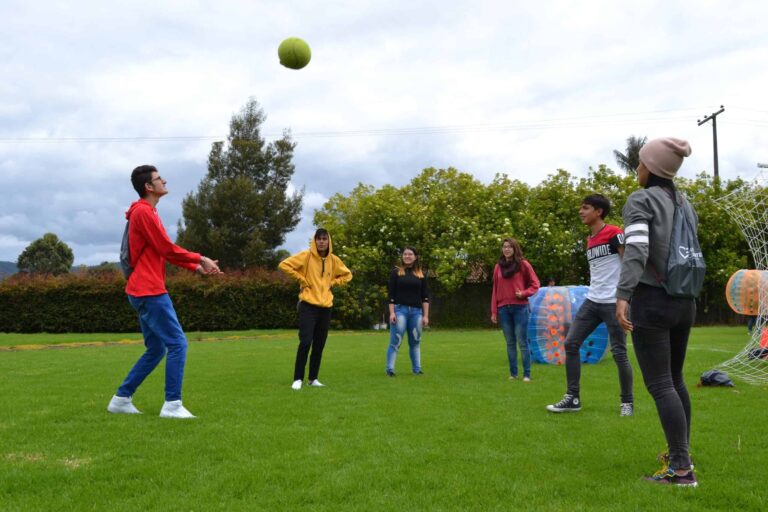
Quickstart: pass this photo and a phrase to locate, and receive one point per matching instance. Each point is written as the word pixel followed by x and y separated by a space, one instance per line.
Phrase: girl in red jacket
pixel 513 282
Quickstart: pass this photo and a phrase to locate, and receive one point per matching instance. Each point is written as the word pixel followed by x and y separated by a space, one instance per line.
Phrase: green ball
pixel 294 53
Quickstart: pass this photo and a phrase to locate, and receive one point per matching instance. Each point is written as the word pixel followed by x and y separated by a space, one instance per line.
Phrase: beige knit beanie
pixel 664 156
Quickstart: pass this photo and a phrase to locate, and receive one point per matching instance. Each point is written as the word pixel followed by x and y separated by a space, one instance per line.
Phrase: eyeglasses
pixel 155 179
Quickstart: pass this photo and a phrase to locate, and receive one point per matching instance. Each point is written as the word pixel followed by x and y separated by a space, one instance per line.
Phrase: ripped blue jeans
pixel 408 320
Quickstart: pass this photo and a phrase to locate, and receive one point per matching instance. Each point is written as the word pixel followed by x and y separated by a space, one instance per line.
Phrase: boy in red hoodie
pixel 150 248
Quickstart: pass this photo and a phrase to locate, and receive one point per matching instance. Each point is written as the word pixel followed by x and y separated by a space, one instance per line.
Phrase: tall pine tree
pixel 242 211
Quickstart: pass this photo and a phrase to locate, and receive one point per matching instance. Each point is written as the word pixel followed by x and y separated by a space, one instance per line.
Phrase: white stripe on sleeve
pixel 637 240
pixel 635 227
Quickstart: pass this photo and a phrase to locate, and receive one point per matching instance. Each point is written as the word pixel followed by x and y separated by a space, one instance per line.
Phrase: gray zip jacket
pixel 648 217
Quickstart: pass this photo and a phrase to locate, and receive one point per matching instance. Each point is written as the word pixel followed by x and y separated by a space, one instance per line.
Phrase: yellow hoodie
pixel 316 274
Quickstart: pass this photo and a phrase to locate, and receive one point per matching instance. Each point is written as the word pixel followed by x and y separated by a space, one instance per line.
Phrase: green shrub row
pixel 97 302
pixel 256 299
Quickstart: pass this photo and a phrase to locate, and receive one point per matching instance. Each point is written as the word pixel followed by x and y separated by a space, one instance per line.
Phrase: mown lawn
pixel 462 437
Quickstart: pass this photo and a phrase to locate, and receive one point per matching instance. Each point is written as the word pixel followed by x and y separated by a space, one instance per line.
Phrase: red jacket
pixel 504 289
pixel 150 249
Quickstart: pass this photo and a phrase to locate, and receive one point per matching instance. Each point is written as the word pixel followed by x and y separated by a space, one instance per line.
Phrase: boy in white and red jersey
pixel 605 248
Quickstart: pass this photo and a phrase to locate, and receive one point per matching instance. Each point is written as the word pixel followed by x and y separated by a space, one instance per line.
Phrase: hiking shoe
pixel 569 403
pixel 390 373
pixel 627 409
pixel 174 409
pixel 296 385
pixel 122 405
pixel 669 477
pixel 317 384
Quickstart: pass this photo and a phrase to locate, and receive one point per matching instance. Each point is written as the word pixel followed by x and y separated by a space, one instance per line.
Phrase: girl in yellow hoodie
pixel 316 270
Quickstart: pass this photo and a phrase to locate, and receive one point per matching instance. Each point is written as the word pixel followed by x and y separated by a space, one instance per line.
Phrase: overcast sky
pixel 522 88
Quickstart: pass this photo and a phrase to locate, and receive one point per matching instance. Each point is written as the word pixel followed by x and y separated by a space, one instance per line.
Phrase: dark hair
pixel 598 201
pixel 320 232
pixel 415 268
pixel 510 268
pixel 658 181
pixel 140 177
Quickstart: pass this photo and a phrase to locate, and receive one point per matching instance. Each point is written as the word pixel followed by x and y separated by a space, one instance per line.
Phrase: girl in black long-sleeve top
pixel 408 309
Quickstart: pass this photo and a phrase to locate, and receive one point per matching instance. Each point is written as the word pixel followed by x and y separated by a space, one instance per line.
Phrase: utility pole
pixel 713 117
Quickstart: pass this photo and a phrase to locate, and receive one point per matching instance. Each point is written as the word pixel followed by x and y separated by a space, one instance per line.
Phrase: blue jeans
pixel 408 320
pixel 513 319
pixel 162 332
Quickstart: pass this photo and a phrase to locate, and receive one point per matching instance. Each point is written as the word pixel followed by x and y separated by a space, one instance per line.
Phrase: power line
pixel 543 124
pixel 750 109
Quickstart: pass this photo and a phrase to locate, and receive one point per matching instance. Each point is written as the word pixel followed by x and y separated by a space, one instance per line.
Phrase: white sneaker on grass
pixel 122 405
pixel 296 385
pixel 174 409
pixel 316 383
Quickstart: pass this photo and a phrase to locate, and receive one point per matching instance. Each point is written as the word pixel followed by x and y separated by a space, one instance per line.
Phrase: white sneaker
pixel 296 385
pixel 122 405
pixel 174 409
pixel 627 409
pixel 316 383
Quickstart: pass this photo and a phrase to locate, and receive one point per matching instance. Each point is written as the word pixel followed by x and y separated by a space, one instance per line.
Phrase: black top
pixel 407 290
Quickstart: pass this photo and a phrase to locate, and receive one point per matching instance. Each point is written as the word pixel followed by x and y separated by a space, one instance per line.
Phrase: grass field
pixel 462 437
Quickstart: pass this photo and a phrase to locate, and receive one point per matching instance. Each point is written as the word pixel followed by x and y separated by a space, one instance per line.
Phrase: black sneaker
pixel 669 477
pixel 418 373
pixel 390 373
pixel 569 403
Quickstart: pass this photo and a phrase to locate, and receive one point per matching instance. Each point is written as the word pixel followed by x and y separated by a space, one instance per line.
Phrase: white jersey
pixel 604 264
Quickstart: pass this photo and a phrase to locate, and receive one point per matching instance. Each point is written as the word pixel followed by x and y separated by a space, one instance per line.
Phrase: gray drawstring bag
pixel 716 378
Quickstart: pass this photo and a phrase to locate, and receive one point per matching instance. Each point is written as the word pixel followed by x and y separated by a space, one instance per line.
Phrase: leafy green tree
pixel 440 213
pixel 630 159
pixel 242 210
pixel 458 224
pixel 46 255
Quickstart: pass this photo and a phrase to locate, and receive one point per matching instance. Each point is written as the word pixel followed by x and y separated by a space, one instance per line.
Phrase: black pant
pixel 590 315
pixel 662 325
pixel 313 331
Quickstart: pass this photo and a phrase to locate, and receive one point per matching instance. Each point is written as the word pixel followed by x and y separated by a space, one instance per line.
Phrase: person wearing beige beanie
pixel 663 157
pixel 660 323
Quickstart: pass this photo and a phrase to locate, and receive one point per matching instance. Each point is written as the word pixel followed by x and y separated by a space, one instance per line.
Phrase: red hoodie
pixel 150 249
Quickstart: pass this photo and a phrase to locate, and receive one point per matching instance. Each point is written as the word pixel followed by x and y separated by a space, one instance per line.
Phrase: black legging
pixel 662 325
pixel 313 331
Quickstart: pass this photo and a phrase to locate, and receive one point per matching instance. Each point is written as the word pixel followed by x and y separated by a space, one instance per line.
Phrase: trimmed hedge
pixel 96 302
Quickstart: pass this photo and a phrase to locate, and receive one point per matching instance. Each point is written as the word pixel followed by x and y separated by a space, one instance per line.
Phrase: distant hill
pixel 7 268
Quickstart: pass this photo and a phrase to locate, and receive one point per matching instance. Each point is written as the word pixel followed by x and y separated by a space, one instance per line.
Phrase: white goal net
pixel 748 207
